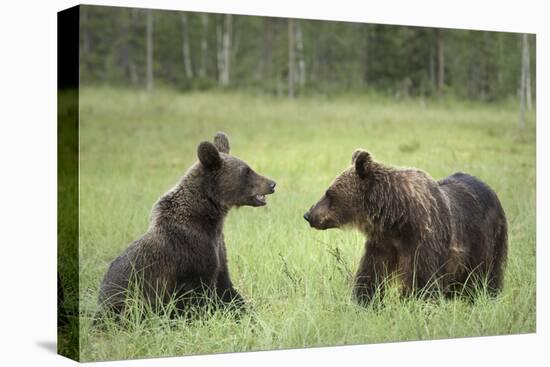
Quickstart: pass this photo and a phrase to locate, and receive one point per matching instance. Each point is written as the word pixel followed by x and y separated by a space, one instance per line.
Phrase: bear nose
pixel 272 186
pixel 306 217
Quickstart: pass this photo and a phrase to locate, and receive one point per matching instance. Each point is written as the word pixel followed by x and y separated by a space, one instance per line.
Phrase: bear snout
pixel 306 217
pixel 311 219
pixel 272 185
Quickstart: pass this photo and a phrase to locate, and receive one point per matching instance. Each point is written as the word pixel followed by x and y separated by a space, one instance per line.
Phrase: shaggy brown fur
pixel 183 253
pixel 425 232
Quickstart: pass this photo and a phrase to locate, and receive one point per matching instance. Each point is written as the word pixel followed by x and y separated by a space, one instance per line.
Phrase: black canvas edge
pixel 68 324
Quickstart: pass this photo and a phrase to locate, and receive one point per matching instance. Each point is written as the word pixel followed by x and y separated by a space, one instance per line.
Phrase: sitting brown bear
pixel 425 232
pixel 183 255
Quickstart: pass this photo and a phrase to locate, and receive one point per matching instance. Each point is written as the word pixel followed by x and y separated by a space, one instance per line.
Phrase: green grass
pixel 134 147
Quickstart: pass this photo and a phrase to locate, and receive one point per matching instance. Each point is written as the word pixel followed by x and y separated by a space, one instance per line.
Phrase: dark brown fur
pixel 424 232
pixel 183 254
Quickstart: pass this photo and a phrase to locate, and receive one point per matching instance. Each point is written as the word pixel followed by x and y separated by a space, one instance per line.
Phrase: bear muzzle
pixel 272 185
pixel 259 199
pixel 318 222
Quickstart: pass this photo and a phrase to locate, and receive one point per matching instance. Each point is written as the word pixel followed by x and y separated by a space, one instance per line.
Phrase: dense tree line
pixel 143 48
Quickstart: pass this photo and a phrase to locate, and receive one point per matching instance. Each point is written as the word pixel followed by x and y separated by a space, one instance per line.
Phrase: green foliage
pixel 337 56
pixel 135 146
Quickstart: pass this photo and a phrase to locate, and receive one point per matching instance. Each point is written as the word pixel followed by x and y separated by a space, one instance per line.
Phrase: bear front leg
pixel 376 264
pixel 225 291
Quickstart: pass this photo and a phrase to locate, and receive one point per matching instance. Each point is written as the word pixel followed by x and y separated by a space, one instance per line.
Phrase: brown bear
pixel 182 256
pixel 446 235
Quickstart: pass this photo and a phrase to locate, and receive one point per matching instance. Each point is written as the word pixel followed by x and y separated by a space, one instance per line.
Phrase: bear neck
pixel 399 198
pixel 191 204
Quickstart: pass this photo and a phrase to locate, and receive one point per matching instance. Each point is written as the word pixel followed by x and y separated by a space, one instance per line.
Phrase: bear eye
pixel 329 194
pixel 245 171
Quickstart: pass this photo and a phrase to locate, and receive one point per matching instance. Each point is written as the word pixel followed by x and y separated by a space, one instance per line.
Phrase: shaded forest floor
pixel 135 147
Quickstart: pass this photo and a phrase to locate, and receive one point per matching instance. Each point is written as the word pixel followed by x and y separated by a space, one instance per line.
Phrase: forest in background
pixel 144 48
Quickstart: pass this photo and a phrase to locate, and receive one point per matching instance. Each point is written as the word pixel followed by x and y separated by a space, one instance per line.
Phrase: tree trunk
pixel 431 70
pixel 204 45
pixel 365 54
pixel 225 51
pixel 149 35
pixel 300 54
pixel 291 58
pixel 186 50
pixel 523 80
pixel 134 74
pixel 527 61
pixel 440 62
pixel 219 48
pixel 266 68
pixel 126 22
pixel 485 67
pixel 500 61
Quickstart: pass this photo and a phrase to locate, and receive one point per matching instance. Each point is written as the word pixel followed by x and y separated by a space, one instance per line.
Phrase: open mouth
pixel 259 200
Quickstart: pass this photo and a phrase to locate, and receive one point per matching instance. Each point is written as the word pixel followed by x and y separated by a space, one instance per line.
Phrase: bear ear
pixel 221 141
pixel 209 155
pixel 362 160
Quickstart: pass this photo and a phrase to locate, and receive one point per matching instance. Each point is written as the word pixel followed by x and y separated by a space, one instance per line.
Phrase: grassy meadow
pixel 134 147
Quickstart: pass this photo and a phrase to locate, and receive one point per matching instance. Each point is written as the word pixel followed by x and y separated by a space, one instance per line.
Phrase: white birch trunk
pixel 523 82
pixel 149 42
pixel 204 45
pixel 219 50
pixel 186 50
pixel 226 51
pixel 527 60
pixel 440 62
pixel 300 53
pixel 291 59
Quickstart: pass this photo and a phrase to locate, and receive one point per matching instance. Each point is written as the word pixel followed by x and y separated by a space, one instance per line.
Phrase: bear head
pixel 232 181
pixel 344 202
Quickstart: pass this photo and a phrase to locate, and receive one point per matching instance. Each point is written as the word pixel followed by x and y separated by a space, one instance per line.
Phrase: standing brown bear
pixel 424 232
pixel 183 254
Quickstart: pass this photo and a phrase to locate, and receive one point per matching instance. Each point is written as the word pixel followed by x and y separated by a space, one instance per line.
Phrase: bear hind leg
pixel 496 274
